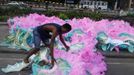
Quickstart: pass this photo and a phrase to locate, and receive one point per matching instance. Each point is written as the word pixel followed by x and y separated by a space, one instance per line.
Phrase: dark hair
pixel 67 26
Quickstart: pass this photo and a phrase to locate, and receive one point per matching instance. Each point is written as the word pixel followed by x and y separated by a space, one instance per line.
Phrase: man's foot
pixel 43 62
pixel 26 60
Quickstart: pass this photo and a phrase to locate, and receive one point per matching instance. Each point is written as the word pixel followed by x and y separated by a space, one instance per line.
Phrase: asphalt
pixel 3 23
pixel 120 66
pixel 12 58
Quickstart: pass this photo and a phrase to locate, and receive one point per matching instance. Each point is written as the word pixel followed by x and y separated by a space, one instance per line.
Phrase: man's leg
pixel 46 42
pixel 36 41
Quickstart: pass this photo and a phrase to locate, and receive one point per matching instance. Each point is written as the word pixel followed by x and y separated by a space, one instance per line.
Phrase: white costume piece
pixel 18 66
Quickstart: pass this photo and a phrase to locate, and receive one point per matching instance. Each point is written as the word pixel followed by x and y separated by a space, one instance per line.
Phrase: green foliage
pixel 3 18
pixel 16 11
pixel 75 14
pixel 63 16
pixel 50 13
pixel 130 14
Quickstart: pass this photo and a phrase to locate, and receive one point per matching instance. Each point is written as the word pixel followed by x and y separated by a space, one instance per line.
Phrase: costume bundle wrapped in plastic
pixel 82 59
pixel 106 43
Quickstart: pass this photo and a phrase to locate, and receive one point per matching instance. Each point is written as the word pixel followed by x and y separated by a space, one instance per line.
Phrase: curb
pixel 3 23
pixel 122 54
pixel 11 50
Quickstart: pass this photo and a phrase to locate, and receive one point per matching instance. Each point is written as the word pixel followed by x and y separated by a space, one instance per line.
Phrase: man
pixel 44 33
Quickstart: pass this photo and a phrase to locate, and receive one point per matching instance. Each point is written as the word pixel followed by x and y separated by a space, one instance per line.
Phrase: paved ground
pixel 117 64
pixel 120 66
pixel 8 57
pixel 12 58
pixel 3 31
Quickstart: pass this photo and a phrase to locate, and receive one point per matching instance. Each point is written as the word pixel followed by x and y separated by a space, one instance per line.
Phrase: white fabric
pixel 18 66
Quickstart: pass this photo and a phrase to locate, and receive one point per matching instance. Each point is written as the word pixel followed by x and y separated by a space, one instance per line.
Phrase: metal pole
pixel 66 5
pixel 95 4
pixel 115 6
pixel 129 6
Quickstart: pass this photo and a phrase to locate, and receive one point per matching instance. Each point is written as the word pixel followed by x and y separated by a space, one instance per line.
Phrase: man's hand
pixel 62 40
pixel 52 63
pixel 67 48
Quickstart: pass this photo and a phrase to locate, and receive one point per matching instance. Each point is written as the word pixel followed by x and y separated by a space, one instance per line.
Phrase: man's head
pixel 66 28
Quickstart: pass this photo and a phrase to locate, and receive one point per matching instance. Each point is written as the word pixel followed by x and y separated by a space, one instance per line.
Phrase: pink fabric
pixel 87 59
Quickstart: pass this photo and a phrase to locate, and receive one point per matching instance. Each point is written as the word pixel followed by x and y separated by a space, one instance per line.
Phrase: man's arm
pixel 52 46
pixel 62 40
